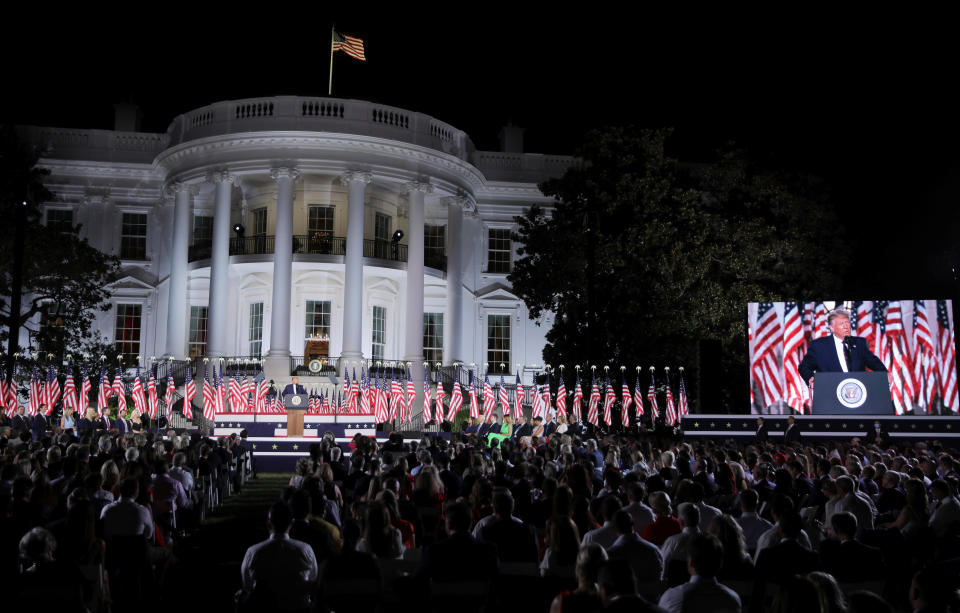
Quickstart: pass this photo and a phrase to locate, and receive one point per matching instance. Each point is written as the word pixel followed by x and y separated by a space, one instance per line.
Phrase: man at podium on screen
pixel 839 352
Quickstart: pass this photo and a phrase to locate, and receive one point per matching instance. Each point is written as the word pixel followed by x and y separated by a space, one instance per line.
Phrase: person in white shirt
pixel 849 501
pixel 606 534
pixel 781 505
pixel 946 508
pixel 642 514
pixel 753 525
pixel 675 547
pixel 125 517
pixel 702 592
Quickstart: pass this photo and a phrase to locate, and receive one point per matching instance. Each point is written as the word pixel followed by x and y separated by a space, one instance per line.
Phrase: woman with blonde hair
pixel 506 431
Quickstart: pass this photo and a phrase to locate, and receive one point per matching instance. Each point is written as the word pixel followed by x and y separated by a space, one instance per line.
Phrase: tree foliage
pixel 643 255
pixel 62 273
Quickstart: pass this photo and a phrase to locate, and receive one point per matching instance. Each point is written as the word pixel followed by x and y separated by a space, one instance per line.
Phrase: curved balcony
pixel 303 114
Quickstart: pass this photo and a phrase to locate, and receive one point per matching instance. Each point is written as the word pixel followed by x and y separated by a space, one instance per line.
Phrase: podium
pixel 851 393
pixel 295 405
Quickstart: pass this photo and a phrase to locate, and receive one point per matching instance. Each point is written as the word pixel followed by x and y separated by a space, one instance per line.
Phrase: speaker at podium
pixel 295 405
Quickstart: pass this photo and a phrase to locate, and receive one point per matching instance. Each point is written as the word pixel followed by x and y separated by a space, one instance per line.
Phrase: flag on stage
pixel 652 398
pixel 380 400
pixel 233 387
pixel 139 398
pixel 924 358
pixel 427 415
pixel 456 397
pixel 170 389
pixel 83 398
pixel 260 393
pixel 396 397
pixel 474 405
pixel 120 391
pixel 626 399
pixel 411 396
pixel 351 45
pixel 12 399
pixel 153 402
pixel 518 398
pixel 593 415
pixel 312 401
pixel 438 411
pixel 638 398
pixel 504 397
pixel 3 393
pixel 683 405
pixel 489 400
pixel 948 359
pixel 671 407
pixel 52 389
pixel 36 393
pixel 561 400
pixel 765 367
pixel 609 398
pixel 365 401
pixel 537 399
pixel 189 391
pixel 797 392
pixel 70 392
pixel 218 388
pixel 578 399
pixel 209 397
pixel 545 405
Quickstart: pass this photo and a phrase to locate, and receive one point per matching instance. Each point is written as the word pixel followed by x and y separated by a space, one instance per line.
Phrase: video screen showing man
pixel 839 352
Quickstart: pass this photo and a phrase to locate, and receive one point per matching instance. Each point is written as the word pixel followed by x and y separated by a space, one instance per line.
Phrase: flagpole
pixel 330 84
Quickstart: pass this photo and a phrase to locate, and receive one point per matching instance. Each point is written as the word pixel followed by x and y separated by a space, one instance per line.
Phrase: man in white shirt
pixel 642 514
pixel 753 525
pixel 702 592
pixel 607 534
pixel 280 571
pixel 675 547
pixel 849 501
pixel 781 505
pixel 839 352
pixel 644 557
pixel 125 517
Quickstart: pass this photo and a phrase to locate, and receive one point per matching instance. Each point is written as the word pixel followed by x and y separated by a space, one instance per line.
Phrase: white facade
pixel 369 169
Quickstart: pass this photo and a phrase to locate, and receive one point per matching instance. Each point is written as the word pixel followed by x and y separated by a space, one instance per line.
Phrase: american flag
pixel 626 400
pixel 12 400
pixel 245 390
pixel 52 389
pixel 456 398
pixel 578 399
pixel 518 398
pixel 820 327
pixel 638 397
pixel 120 391
pixel 765 367
pixel 901 378
pixel 384 391
pixel 682 405
pixel 440 395
pixel 380 402
pixel 609 398
pixel 593 409
pixel 504 397
pixel 351 45
pixel 365 401
pixel 83 400
pixel 354 398
pixel 221 389
pixel 36 393
pixel 864 327
pixel 209 396
pixel 411 397
pixel 139 398
pixel 671 408
pixel 797 392
pixel 652 398
pixel 546 403
pixel 3 394
pixel 233 386
pixel 489 400
pixel 260 386
pixel 924 357
pixel 69 391
pixel 189 391
pixel 879 326
pixel 948 359
pixel 325 402
pixel 103 392
pixel 396 398
pixel 536 399
pixel 561 400
pixel 312 401
pixel 153 402
pixel 168 392
pixel 474 405
pixel 427 414
pixel 809 320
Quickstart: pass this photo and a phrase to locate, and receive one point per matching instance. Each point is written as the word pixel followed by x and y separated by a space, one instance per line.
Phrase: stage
pixel 902 429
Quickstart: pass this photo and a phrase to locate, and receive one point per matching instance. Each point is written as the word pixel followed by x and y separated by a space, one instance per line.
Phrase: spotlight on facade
pixel 239 229
pixel 397 236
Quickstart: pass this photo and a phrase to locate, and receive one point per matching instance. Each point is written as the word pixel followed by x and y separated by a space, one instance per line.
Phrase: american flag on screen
pixel 765 366
pixel 820 327
pixel 809 321
pixel 948 359
pixel 865 328
pixel 900 369
pixel 351 45
pixel 924 358
pixel 797 392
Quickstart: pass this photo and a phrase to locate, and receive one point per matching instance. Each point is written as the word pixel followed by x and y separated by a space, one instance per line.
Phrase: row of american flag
pixel 914 339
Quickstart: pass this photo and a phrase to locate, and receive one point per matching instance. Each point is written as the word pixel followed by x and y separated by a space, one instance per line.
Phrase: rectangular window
pixel 433 337
pixel 318 320
pixel 499 250
pixel 203 230
pixel 434 246
pixel 60 220
pixel 126 332
pixel 259 225
pixel 256 328
pixel 198 331
pixel 379 328
pixel 381 227
pixel 498 343
pixel 320 229
pixel 133 236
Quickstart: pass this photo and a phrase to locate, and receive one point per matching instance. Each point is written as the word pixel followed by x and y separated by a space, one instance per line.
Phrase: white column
pixel 277 361
pixel 356 183
pixel 413 326
pixel 453 320
pixel 219 265
pixel 177 303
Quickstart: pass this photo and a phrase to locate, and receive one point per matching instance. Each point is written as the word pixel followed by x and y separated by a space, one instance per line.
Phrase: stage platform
pixel 824 427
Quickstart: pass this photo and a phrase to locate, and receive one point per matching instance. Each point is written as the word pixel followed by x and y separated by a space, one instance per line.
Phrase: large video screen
pixel 914 339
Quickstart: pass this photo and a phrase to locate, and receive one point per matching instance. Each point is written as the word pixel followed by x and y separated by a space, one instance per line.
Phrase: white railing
pixel 498 165
pixel 106 145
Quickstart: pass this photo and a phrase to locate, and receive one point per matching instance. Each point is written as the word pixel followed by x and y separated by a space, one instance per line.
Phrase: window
pixel 203 230
pixel 434 248
pixel 379 328
pixel 256 328
pixel 50 328
pixel 320 229
pixel 133 236
pixel 433 337
pixel 318 320
pixel 197 345
pixel 498 343
pixel 259 225
pixel 60 220
pixel 126 332
pixel 381 227
pixel 499 249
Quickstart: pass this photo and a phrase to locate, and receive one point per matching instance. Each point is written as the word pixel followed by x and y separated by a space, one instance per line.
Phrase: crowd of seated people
pixel 575 524
pixel 89 517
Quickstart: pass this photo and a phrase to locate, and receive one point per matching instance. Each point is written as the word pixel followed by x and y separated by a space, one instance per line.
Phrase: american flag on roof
pixel 924 358
pixel 626 400
pixel 561 399
pixel 593 414
pixel 609 398
pixel 765 365
pixel 578 399
pixel 52 389
pixel 652 397
pixel 504 397
pixel 797 392
pixel 948 359
pixel 351 45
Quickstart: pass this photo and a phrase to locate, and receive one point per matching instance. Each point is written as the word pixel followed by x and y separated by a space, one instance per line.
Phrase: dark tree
pixel 644 256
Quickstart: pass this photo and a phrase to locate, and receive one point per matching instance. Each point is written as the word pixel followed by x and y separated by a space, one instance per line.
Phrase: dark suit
pixel 762 434
pixel 852 561
pixel 792 433
pixel 84 426
pixel 778 563
pixel 457 557
pixel 822 357
pixel 40 426
pixel 515 542
pixel 20 422
pixel 524 430
pixel 104 422
pixel 121 425
pixel 294 389
pixel 880 438
pixel 549 428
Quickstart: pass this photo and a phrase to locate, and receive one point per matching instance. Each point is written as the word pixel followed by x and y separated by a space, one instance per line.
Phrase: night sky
pixel 866 101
